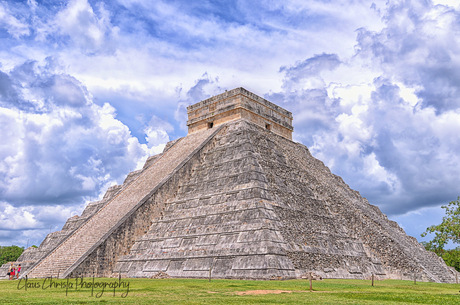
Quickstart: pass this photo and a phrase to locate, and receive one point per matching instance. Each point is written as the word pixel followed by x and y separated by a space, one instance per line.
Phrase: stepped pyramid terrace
pixel 236 198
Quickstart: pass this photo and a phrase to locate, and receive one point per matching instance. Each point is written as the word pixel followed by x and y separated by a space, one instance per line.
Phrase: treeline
pixel 10 253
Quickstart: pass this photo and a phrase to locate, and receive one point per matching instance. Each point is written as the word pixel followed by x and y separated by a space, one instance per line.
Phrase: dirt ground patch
pixel 254 292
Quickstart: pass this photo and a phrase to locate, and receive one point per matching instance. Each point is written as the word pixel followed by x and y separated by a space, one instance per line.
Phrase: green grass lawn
pixel 189 291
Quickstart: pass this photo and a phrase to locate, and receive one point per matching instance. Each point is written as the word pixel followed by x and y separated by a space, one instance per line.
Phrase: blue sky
pixel 89 89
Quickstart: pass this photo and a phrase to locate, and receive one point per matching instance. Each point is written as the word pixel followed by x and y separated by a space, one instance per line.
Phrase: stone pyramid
pixel 235 198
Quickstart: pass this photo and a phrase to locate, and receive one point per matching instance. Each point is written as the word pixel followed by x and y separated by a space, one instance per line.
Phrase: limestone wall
pixel 236 104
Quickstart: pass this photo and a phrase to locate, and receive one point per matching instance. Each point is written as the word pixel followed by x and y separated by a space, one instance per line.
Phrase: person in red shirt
pixel 12 272
pixel 17 271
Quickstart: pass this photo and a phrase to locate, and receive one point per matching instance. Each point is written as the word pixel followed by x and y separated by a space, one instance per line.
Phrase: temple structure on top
pixel 239 104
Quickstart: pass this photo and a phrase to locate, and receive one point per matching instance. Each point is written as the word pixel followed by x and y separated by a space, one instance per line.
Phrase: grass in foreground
pixel 197 291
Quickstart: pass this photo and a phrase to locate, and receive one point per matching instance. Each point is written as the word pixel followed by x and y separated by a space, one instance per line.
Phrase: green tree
pixel 452 258
pixel 10 253
pixel 447 230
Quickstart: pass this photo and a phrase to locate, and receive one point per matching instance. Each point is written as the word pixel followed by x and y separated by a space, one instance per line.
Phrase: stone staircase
pixel 72 251
pixel 434 267
pixel 431 267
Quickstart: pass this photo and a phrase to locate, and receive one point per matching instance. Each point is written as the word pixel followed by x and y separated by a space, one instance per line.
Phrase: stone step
pixel 78 246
